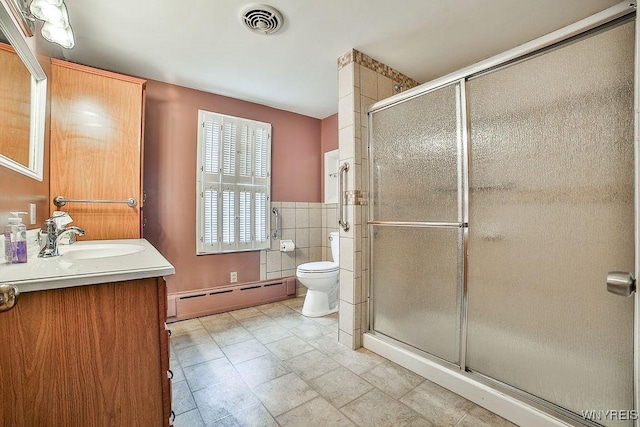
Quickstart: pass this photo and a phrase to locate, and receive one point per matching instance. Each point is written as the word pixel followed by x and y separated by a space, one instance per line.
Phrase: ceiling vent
pixel 262 19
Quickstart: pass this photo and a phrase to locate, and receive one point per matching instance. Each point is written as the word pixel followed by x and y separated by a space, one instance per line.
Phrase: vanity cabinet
pixel 96 148
pixel 94 355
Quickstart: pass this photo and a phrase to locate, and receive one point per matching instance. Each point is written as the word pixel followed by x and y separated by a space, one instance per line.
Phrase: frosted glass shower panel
pixel 414 285
pixel 551 212
pixel 414 164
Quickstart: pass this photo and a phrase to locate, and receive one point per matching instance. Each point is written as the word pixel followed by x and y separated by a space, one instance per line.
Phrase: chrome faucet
pixel 53 235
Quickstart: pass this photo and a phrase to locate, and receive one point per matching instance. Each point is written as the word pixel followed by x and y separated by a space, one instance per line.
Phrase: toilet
pixel 322 281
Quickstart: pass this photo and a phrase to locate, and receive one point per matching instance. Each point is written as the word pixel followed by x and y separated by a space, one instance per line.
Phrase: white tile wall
pixel 308 225
pixel 365 87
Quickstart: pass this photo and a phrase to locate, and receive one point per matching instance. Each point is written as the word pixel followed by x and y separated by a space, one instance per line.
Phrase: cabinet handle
pixel 172 418
pixel 166 328
pixel 170 374
pixel 8 296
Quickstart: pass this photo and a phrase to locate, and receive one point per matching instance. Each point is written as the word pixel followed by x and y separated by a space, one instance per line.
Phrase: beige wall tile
pixel 364 319
pixel 346 142
pixel 385 87
pixel 315 217
pixel 346 286
pixel 274 261
pixel 315 254
pixel 356 74
pixel 357 262
pixel 365 103
pixel 302 238
pixel 287 273
pixel 345 339
pixel 357 290
pixel 356 100
pixel 356 123
pixel 365 287
pixel 347 316
pixel 346 80
pixel 368 82
pixel 315 237
pixel 345 111
pixel 288 234
pixel 263 271
pixel 302 255
pixel 274 275
pixel 346 254
pixel 287 218
pixel 302 218
pixel 288 260
pixel 357 147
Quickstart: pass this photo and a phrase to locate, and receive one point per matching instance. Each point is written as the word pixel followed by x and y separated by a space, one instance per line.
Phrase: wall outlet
pixel 234 276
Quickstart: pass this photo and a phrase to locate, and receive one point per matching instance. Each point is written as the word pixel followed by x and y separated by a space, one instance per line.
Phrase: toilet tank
pixel 334 237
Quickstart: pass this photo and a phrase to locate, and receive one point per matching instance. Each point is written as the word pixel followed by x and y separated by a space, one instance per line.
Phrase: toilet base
pixel 316 304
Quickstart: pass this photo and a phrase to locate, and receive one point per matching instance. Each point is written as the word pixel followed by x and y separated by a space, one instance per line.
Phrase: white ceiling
pixel 202 44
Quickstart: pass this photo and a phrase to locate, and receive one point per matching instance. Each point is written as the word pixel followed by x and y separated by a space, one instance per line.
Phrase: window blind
pixel 234 184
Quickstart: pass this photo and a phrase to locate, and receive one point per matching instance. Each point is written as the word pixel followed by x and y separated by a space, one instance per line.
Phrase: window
pixel 234 184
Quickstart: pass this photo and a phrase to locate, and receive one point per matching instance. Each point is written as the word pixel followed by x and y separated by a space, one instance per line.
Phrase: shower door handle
pixel 621 283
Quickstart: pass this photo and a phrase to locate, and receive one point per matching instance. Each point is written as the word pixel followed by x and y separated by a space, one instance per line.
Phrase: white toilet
pixel 322 282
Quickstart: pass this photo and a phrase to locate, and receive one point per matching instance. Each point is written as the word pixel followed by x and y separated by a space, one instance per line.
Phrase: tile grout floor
pixel 271 366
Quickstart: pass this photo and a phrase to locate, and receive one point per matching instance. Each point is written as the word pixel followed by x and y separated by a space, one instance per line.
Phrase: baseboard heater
pixel 203 302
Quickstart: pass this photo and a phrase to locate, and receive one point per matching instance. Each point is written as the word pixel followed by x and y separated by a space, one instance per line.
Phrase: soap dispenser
pixel 15 239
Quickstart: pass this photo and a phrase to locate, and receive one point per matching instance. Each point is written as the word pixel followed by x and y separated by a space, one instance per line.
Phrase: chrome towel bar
pixel 61 201
pixel 343 170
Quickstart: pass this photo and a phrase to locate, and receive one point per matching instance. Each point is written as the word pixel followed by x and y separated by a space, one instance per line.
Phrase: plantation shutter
pixel 234 184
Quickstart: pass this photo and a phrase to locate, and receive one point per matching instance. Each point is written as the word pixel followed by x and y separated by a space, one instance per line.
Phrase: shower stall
pixel 500 198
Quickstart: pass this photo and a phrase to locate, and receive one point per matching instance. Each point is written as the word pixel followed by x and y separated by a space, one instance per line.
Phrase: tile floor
pixel 271 366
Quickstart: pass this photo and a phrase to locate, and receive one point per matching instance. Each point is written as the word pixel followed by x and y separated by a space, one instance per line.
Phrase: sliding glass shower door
pixel 416 212
pixel 492 251
pixel 551 212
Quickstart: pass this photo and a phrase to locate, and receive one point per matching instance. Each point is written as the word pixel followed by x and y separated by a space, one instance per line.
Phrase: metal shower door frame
pixel 621 10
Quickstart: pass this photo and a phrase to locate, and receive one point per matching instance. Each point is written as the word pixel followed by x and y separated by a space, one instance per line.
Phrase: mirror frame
pixel 11 29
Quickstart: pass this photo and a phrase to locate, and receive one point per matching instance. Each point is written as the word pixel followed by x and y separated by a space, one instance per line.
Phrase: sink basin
pixel 81 251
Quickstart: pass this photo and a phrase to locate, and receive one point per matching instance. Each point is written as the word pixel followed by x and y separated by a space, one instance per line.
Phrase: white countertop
pixel 39 274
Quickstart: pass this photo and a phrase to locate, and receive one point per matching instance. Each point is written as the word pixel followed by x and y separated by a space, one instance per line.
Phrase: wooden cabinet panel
pixel 96 147
pixel 84 356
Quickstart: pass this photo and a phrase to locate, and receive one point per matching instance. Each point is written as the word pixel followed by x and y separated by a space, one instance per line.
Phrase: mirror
pixel 23 92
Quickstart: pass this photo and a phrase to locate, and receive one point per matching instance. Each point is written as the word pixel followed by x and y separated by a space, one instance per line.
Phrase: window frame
pixel 246 179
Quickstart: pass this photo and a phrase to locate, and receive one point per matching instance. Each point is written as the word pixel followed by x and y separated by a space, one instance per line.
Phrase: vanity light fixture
pixel 56 27
pixel 53 13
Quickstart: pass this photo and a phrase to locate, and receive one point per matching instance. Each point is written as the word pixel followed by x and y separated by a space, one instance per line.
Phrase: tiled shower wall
pixel 308 225
pixel 362 81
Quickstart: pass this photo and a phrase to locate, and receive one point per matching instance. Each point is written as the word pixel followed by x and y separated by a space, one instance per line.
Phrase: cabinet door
pixel 83 356
pixel 96 148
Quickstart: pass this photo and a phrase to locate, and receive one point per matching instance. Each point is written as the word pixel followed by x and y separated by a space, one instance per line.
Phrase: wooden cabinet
pixel 96 147
pixel 93 355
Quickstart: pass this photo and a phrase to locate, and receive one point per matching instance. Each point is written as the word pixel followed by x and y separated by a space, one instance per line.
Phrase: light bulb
pixel 53 13
pixel 62 36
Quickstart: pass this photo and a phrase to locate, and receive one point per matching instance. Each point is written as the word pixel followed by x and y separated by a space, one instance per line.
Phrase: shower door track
pixel 621 12
pixel 541 405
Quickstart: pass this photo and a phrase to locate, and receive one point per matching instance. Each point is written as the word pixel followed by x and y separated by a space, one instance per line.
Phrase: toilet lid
pixel 318 267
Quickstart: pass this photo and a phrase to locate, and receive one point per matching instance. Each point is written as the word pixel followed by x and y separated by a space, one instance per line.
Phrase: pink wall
pixel 328 142
pixel 170 177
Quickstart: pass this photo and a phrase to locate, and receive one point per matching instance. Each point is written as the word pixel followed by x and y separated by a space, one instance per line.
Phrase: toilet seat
pixel 318 267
